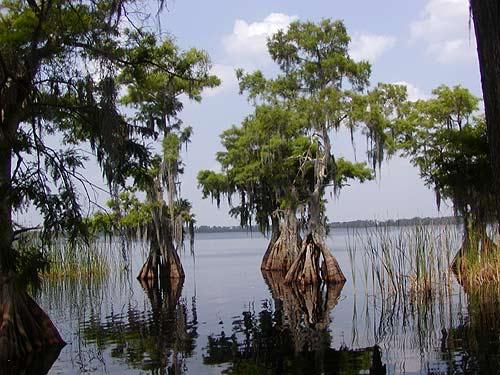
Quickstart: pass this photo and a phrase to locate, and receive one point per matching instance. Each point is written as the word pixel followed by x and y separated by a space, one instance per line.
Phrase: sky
pixel 419 43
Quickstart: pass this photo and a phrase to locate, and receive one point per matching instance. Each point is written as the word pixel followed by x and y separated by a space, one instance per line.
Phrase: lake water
pixel 229 317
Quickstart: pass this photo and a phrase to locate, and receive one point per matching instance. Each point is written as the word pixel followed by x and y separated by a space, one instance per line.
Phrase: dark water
pixel 229 317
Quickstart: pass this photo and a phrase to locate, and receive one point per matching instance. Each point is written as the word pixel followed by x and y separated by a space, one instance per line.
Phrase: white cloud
pixel 226 74
pixel 414 93
pixel 445 26
pixel 248 40
pixel 370 46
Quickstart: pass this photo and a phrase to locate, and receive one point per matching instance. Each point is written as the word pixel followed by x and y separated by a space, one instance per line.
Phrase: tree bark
pixel 5 205
pixel 476 243
pixel 284 245
pixel 149 271
pixel 486 17
pixel 24 326
pixel 305 269
pixel 275 233
pixel 163 261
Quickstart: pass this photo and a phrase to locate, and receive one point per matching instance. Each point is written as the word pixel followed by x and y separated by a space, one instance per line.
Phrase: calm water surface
pixel 229 317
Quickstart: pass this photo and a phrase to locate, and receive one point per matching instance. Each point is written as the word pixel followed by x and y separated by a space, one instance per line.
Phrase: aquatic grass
pixel 476 272
pixel 76 259
pixel 408 262
pixel 409 285
pixel 351 250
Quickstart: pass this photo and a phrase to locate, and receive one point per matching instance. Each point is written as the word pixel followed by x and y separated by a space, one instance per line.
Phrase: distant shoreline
pixel 343 224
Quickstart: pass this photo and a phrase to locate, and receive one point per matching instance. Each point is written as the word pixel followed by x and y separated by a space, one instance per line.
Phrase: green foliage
pixel 214 184
pixel 47 87
pixel 171 148
pixel 154 92
pixel 346 170
pixel 448 144
pixel 154 89
pixel 281 153
pixel 264 161
pixel 126 213
pixel 63 68
pixel 31 260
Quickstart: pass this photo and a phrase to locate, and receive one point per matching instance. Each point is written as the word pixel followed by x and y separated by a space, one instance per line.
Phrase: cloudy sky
pixel 420 43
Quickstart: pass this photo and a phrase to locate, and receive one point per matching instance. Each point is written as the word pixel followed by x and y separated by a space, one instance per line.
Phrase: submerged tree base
pixel 285 243
pixel 306 267
pixel 281 253
pixel 160 266
pixel 24 327
pixel 477 262
pixel 475 272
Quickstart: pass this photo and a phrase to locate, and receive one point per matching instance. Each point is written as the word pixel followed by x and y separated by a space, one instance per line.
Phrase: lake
pixel 229 317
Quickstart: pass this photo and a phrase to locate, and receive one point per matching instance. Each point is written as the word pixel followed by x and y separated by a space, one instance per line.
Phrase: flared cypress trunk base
pixel 149 270
pixel 474 249
pixel 285 243
pixel 161 264
pixel 24 327
pixel 156 271
pixel 281 254
pixel 306 267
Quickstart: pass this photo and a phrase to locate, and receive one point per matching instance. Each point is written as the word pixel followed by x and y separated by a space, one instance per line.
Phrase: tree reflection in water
pixel 37 363
pixel 291 338
pixel 473 347
pixel 158 340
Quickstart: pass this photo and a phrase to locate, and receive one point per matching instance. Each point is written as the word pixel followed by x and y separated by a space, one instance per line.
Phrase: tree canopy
pixel 446 139
pixel 63 67
pixel 281 157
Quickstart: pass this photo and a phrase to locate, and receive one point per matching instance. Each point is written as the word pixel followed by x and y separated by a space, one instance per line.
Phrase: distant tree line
pixel 343 224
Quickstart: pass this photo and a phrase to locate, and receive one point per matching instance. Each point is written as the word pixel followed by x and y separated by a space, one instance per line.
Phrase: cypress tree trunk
pixel 163 260
pixel 486 16
pixel 306 268
pixel 150 271
pixel 285 243
pixel 24 326
pixel 475 243
pixel 275 233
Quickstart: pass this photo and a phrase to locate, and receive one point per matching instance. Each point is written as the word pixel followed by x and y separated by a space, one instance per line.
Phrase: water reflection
pixel 157 340
pixel 115 326
pixel 38 363
pixel 473 347
pixel 289 335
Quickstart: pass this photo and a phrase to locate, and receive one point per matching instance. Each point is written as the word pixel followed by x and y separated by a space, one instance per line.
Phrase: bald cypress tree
pixel 321 89
pixel 448 143
pixel 154 93
pixel 59 62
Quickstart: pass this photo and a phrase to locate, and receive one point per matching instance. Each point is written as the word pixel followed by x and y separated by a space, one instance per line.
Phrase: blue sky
pixel 422 43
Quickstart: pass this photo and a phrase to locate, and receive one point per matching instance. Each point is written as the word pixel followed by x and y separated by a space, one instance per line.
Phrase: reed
pixel 410 262
pixel 80 259
pixel 479 271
